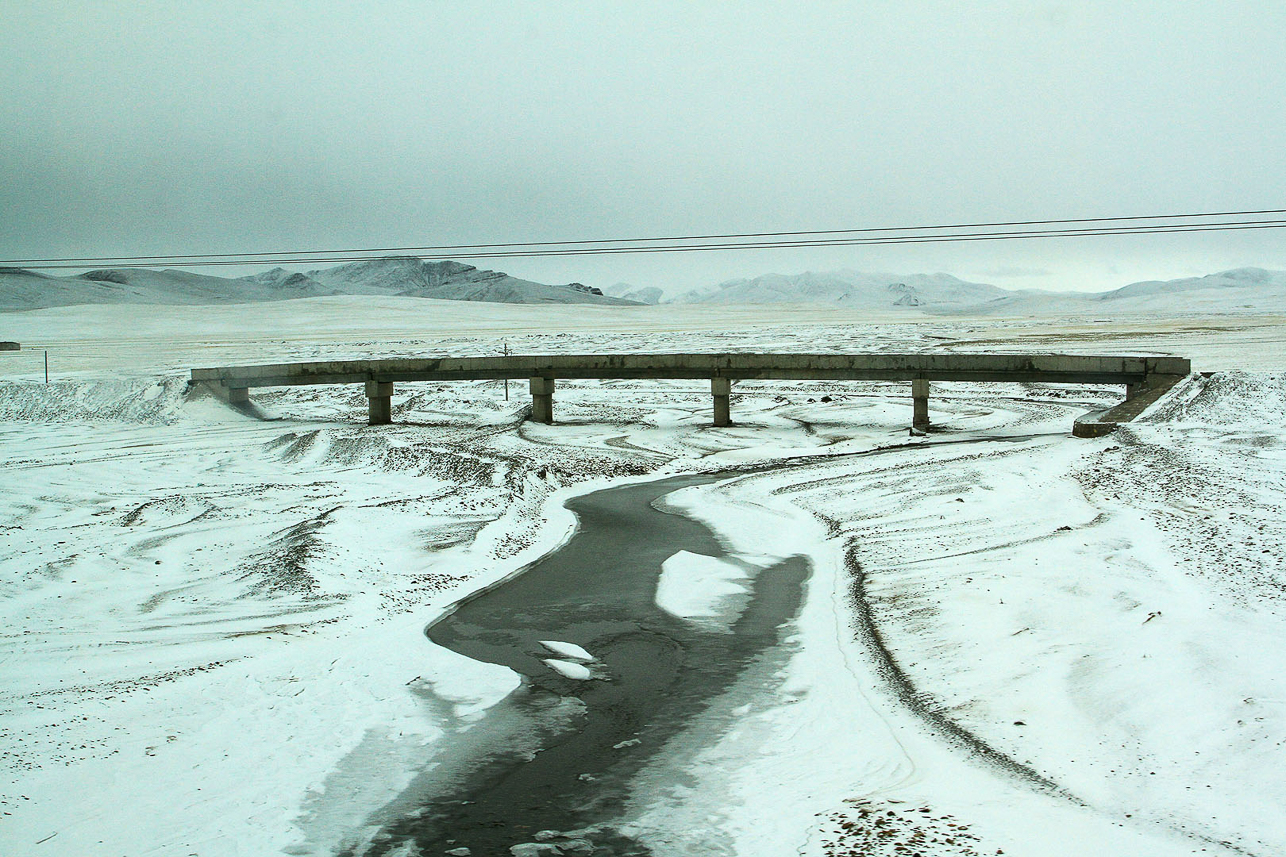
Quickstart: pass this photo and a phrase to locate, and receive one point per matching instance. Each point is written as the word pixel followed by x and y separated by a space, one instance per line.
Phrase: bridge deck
pixel 1136 373
pixel 1053 368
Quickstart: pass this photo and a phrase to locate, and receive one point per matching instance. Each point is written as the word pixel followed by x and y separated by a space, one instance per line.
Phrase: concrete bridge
pixel 1144 378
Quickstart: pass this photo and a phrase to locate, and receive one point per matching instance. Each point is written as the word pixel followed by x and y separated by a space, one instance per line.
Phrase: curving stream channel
pixel 549 769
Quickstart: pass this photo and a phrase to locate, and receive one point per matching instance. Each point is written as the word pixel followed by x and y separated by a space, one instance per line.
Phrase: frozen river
pixel 610 677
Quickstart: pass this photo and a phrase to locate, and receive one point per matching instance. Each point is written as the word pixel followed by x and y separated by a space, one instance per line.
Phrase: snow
pixel 214 621
pixel 570 669
pixel 699 587
pixel 567 650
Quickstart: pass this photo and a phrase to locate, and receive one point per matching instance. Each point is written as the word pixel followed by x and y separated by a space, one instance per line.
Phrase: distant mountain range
pixel 1241 290
pixel 850 289
pixel 642 294
pixel 1237 291
pixel 395 276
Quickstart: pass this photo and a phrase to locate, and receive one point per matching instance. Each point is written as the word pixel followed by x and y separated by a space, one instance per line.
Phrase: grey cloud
pixel 240 126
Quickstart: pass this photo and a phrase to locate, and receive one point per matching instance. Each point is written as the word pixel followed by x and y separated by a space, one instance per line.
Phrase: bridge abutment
pixel 920 403
pixel 1138 398
pixel 379 401
pixel 542 400
pixel 721 390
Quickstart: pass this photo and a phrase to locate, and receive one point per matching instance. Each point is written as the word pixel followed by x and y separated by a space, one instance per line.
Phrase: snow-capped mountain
pixel 291 284
pixel 23 289
pixel 642 294
pixel 849 289
pixel 395 276
pixel 1241 290
pixel 1234 291
pixel 407 276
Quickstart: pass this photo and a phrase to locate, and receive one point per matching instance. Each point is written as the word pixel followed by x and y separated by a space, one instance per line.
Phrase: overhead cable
pixel 1143 225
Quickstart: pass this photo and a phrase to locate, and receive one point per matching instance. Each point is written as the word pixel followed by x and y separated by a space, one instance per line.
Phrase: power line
pixel 911 235
pixel 450 247
pixel 708 247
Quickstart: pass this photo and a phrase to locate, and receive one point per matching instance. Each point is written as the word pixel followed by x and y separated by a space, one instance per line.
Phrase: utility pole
pixel 506 379
pixel 46 366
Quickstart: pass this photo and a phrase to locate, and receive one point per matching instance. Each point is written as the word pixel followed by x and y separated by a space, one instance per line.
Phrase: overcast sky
pixel 181 127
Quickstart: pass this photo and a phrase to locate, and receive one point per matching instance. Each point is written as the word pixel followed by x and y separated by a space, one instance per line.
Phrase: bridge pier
pixel 920 403
pixel 721 390
pixel 542 400
pixel 231 395
pixel 379 401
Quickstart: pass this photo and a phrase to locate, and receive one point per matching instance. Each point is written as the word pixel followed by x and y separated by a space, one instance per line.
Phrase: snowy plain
pixel 1013 641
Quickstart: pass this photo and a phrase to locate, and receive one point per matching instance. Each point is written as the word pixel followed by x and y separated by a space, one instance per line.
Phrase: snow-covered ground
pixel 1013 641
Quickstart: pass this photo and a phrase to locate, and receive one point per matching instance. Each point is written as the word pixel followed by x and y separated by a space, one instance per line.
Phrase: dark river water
pixel 551 766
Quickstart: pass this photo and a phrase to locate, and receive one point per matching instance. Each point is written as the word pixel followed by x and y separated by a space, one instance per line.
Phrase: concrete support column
pixel 920 403
pixel 542 400
pixel 379 399
pixel 231 395
pixel 721 389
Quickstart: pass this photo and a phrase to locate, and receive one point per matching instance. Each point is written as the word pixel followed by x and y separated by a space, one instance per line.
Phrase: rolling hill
pixel 22 289
pixel 1237 291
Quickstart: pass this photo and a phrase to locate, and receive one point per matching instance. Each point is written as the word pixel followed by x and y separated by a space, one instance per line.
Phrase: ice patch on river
pixel 569 669
pixel 469 686
pixel 701 589
pixel 567 650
